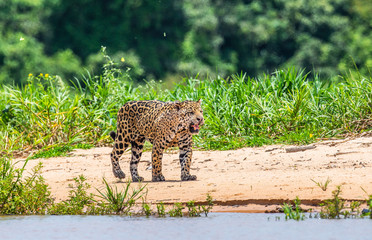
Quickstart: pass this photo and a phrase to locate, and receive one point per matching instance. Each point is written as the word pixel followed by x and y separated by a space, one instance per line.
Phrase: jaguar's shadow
pixel 146 181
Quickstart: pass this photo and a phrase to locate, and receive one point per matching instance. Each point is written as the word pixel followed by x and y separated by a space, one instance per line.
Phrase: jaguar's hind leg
pixel 119 147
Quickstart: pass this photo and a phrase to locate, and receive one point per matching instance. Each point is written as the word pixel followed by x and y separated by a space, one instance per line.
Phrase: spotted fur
pixel 164 124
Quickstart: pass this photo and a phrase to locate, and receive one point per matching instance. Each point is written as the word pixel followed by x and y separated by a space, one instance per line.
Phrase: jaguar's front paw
pixel 137 179
pixel 118 173
pixel 158 178
pixel 188 177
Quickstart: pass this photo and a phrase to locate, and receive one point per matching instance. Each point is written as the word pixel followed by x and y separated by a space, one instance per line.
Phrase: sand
pixel 249 179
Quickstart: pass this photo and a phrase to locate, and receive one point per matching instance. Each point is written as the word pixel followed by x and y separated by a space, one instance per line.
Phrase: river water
pixel 215 226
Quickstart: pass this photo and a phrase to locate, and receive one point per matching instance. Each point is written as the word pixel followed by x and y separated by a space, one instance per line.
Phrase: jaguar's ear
pixel 177 104
pixel 199 101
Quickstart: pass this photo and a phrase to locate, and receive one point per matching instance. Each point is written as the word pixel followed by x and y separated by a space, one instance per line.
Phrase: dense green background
pixel 165 39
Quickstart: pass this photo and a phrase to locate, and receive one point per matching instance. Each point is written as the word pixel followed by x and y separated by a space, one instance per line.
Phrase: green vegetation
pixel 22 193
pixel 176 211
pixel 146 209
pixel 293 212
pixel 287 106
pixel 56 151
pixel 122 201
pixel 192 209
pixel 196 211
pixel 324 185
pixel 369 205
pixel 165 39
pixel 161 209
pixel 334 208
pixel 79 201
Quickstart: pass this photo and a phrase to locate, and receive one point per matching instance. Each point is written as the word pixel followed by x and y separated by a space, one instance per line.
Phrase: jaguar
pixel 164 124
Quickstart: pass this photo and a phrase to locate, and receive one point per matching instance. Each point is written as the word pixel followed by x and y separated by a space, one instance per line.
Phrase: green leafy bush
pixel 79 201
pixel 21 193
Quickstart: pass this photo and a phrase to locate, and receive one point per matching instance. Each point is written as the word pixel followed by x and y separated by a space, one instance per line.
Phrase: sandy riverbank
pixel 248 179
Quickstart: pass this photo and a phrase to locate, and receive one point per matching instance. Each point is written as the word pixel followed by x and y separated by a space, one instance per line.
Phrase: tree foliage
pixel 161 38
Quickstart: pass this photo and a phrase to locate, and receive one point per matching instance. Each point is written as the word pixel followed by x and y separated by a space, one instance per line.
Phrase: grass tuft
pixel 322 186
pixel 121 202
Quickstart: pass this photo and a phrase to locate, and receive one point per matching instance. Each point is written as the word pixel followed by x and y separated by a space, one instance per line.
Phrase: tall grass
pixel 286 106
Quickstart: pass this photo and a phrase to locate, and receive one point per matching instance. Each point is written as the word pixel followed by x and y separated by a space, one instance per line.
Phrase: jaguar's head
pixel 192 115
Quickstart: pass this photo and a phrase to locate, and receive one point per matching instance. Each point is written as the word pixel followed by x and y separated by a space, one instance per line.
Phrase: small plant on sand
pixel 354 207
pixel 369 205
pixel 121 202
pixel 192 210
pixel 293 212
pixel 195 211
pixel 176 211
pixel 353 211
pixel 146 209
pixel 209 206
pixel 161 209
pixel 79 201
pixel 332 208
pixel 324 185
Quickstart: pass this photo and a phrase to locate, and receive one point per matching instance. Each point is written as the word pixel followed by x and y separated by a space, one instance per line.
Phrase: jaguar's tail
pixel 113 135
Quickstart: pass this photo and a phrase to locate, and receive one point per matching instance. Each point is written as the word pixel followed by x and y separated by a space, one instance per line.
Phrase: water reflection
pixel 215 226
